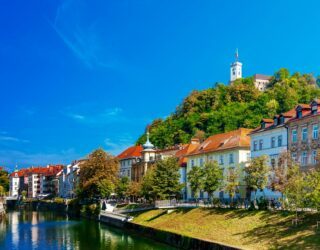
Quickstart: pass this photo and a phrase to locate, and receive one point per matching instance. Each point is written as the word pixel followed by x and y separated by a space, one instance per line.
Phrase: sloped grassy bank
pixel 239 228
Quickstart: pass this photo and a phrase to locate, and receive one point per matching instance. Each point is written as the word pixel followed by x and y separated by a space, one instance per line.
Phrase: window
pixel 279 140
pixel 299 112
pixel 281 120
pixel 255 146
pixel 231 158
pixel 314 108
pixel 275 121
pixel 273 163
pixel 201 162
pixel 304 134
pixel 261 144
pixel 294 156
pixel 192 163
pixel 248 156
pixel 315 131
pixel 304 160
pixel 314 157
pixel 221 159
pixel 294 135
pixel 273 142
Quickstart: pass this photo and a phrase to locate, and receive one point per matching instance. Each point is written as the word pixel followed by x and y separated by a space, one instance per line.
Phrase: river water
pixel 48 230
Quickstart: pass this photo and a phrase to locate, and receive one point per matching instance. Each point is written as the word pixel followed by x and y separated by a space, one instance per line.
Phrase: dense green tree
pixel 4 180
pixel 256 173
pixel 295 190
pixel 195 179
pixel 232 182
pixel 226 107
pixel 313 189
pixel 99 173
pixel 213 178
pixel 146 189
pixel 134 190
pixel 165 182
pixel 105 188
pixel 122 187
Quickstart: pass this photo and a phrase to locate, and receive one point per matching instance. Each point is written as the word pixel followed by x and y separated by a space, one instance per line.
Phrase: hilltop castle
pixel 260 81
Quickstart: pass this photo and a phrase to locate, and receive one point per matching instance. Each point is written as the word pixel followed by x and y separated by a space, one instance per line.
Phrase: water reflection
pixel 46 230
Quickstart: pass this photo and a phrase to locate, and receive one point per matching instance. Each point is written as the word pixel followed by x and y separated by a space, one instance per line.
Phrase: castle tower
pixel 236 69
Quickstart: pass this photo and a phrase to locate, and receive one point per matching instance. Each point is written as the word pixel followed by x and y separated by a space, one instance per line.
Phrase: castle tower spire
pixel 236 68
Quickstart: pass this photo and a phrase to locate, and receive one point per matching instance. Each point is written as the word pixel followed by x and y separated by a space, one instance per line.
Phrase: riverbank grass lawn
pixel 240 228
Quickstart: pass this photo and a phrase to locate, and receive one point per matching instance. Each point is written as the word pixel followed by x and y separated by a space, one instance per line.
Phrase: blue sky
pixel 77 75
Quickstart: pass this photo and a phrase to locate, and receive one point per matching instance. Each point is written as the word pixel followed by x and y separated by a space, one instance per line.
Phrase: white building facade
pixel 127 158
pixel 271 140
pixel 14 184
pixel 229 150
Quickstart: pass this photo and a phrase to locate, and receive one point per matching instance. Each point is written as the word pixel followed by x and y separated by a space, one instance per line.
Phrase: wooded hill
pixel 224 108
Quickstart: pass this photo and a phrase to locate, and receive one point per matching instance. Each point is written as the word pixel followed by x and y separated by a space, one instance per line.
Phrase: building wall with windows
pixel 271 140
pixel 303 134
pixel 14 184
pixel 127 159
pixel 271 143
pixel 229 150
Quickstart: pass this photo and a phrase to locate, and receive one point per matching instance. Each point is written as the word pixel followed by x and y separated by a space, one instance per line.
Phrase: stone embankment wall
pixel 173 239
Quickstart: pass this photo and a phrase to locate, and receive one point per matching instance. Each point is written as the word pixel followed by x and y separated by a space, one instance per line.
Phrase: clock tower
pixel 236 69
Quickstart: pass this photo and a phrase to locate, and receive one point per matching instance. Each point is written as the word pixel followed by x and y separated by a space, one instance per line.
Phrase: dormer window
pixel 281 119
pixel 314 107
pixel 299 112
pixel 275 121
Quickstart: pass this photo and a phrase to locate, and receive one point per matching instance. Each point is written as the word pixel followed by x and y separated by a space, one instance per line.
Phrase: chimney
pixel 195 140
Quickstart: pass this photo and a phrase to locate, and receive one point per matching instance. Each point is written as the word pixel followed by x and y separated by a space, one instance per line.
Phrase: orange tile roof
pixel 267 120
pixel 270 123
pixel 290 113
pixel 185 150
pixel 234 139
pixel 131 152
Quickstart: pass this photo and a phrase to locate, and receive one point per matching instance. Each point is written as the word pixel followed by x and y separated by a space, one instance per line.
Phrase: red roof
pixel 184 151
pixel 267 120
pixel 233 139
pixel 132 152
pixel 46 171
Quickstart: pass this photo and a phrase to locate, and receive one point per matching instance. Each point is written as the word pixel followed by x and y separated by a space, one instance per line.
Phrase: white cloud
pixel 14 157
pixel 4 138
pixel 84 41
pixel 87 116
pixel 116 146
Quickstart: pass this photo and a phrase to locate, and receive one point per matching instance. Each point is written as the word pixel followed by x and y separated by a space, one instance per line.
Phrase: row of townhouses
pixel 39 182
pixel 35 181
pixel 295 131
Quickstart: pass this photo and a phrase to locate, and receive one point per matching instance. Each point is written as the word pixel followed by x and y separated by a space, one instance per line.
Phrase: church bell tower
pixel 236 69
